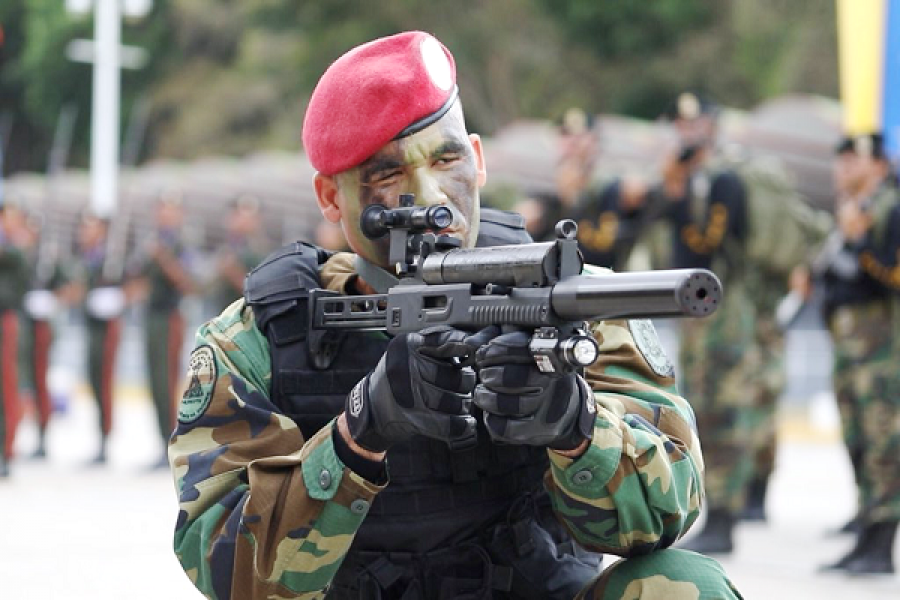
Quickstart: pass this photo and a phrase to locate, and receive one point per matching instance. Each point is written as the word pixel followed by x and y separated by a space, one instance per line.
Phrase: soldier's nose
pixel 427 190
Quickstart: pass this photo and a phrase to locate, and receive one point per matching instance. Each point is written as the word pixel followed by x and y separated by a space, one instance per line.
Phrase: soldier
pixel 765 290
pixel 164 266
pixel 705 209
pixel 575 161
pixel 51 288
pixel 610 219
pixel 15 277
pixel 609 211
pixel 100 290
pixel 784 229
pixel 243 248
pixel 861 277
pixel 298 478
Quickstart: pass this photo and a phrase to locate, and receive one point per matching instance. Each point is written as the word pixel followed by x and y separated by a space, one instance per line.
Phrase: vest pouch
pixel 463 572
pixel 544 561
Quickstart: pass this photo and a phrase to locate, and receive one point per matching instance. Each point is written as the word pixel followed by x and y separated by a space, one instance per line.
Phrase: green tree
pixel 233 76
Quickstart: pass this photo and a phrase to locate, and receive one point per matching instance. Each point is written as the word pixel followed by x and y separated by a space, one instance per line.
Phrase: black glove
pixel 524 406
pixel 416 389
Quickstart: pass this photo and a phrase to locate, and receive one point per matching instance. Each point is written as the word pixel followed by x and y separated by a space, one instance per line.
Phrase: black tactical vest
pixel 470 523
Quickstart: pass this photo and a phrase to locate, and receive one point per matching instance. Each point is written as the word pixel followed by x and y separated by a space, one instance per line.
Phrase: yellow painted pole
pixel 861 34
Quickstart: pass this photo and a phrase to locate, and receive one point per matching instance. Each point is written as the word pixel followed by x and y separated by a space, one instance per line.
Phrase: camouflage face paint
pixel 439 165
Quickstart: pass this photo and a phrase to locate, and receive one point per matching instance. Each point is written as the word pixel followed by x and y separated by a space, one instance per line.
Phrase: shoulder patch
pixel 647 341
pixel 202 374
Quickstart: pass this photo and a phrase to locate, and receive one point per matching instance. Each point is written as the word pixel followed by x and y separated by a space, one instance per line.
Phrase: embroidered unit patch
pixel 647 341
pixel 201 378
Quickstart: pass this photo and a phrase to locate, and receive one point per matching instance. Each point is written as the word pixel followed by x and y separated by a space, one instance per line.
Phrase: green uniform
pixel 103 323
pixel 862 316
pixel 15 275
pixel 247 254
pixel 266 512
pixel 37 339
pixel 164 333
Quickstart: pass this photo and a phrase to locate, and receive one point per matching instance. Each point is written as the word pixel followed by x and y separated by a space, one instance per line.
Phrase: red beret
pixel 385 89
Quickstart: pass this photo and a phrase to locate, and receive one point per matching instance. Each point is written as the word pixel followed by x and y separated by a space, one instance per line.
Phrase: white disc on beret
pixel 436 63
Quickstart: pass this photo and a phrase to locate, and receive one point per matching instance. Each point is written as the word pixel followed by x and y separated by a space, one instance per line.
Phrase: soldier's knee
pixel 670 574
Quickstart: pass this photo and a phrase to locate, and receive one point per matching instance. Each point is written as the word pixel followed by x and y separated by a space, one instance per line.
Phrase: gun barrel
pixel 642 294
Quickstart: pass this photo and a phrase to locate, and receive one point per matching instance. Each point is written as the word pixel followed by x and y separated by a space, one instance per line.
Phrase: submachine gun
pixel 536 285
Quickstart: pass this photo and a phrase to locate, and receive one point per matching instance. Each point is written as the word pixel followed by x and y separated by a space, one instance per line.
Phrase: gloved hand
pixel 416 389
pixel 524 406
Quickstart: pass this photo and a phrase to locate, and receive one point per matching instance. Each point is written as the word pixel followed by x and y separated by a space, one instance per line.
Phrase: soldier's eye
pixel 387 176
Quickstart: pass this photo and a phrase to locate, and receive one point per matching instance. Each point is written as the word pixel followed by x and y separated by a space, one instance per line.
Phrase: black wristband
pixel 583 427
pixel 370 470
pixel 358 414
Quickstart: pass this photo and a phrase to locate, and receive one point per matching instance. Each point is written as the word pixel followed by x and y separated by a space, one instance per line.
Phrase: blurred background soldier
pixel 706 210
pixel 242 249
pixel 859 269
pixel 782 227
pixel 51 288
pixel 14 275
pixel 99 285
pixel 164 267
pixel 607 209
pixel 573 171
pixel 610 219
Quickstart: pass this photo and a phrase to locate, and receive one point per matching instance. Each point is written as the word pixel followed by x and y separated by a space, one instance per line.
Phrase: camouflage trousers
pixel 719 366
pixel 662 575
pixel 768 384
pixel 867 388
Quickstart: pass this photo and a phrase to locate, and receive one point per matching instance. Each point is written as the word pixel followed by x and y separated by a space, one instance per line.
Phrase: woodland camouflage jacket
pixel 259 518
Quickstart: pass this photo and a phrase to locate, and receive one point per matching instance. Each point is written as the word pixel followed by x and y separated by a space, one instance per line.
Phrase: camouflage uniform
pixel 662 576
pixel 718 363
pixel 781 230
pixel 866 382
pixel 709 227
pixel 765 291
pixel 265 512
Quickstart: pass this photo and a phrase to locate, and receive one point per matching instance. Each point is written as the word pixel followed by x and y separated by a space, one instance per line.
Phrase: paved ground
pixel 73 532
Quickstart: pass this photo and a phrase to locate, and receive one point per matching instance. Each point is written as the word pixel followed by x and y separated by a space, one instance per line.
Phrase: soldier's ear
pixel 480 166
pixel 327 197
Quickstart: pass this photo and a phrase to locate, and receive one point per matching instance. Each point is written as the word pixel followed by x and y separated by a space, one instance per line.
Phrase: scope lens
pixel 441 217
